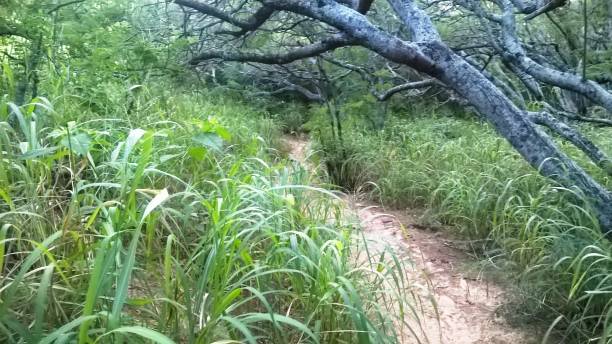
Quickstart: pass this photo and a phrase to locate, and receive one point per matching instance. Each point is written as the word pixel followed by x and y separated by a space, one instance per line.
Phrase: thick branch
pixel 407 86
pixel 6 30
pixel 251 23
pixel 514 52
pixel 577 117
pixel 532 10
pixel 66 4
pixel 576 138
pixel 364 6
pixel 288 56
pixel 551 5
pixel 306 93
pixel 421 27
pixel 358 27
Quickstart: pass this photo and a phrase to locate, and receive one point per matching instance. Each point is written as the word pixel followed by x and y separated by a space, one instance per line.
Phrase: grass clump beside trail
pixel 469 178
pixel 174 220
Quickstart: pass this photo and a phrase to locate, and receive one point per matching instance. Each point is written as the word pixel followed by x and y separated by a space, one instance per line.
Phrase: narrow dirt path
pixel 466 304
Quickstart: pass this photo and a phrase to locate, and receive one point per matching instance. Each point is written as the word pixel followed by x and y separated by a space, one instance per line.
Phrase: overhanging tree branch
pixel 66 4
pixel 551 5
pixel 577 117
pixel 285 57
pixel 303 91
pixel 251 23
pixel 428 54
pixel 407 86
pixel 513 52
pixel 6 30
pixel 537 8
pixel 572 135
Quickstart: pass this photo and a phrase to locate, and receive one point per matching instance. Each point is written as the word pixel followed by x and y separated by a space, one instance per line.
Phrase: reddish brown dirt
pixel 466 303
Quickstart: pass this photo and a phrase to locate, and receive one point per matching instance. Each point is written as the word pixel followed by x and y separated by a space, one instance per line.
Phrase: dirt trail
pixel 466 304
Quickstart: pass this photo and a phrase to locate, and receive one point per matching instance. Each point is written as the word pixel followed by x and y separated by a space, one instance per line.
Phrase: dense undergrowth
pixel 467 177
pixel 172 218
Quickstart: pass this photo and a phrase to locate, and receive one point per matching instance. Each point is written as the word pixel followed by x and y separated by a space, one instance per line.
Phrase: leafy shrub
pixel 175 226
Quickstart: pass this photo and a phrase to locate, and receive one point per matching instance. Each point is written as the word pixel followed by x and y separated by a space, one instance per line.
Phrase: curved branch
pixel 285 57
pixel 66 4
pixel 568 81
pixel 514 52
pixel 364 6
pixel 6 30
pixel 303 91
pixel 361 30
pixel 250 24
pixel 537 8
pixel 576 117
pixel 576 138
pixel 551 5
pixel 407 86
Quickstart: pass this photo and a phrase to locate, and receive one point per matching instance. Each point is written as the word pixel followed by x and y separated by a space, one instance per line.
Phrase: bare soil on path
pixel 466 310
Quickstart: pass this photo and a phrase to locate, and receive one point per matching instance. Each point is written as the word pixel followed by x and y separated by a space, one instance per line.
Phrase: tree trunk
pixel 534 145
pixel 510 122
pixel 427 54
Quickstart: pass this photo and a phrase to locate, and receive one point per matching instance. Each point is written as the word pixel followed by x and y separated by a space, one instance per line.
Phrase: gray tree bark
pixel 513 51
pixel 428 54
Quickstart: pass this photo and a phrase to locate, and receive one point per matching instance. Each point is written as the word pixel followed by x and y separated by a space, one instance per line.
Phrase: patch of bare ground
pixel 466 303
pixel 464 307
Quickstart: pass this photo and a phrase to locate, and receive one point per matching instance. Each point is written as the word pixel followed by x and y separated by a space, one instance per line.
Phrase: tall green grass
pixel 175 221
pixel 469 178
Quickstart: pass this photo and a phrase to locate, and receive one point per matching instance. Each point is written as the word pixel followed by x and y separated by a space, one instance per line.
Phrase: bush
pixel 174 220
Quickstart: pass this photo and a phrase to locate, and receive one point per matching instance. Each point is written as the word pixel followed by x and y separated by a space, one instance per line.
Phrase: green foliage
pixel 291 117
pixel 135 210
pixel 470 179
pixel 93 209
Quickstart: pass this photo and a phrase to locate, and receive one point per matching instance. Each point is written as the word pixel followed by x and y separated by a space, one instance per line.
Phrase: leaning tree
pixel 402 33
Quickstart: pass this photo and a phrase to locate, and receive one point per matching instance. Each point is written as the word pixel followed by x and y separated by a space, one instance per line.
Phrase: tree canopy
pixel 518 64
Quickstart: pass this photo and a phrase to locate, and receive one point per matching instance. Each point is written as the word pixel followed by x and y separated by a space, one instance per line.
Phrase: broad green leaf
pixel 198 153
pixel 144 333
pixel 123 282
pixel 209 140
pixel 66 329
pixel 131 141
pixel 79 143
pixel 40 305
pixel 37 153
pixel 155 202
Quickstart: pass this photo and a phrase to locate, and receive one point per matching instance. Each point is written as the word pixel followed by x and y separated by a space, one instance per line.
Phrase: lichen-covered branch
pixel 272 57
pixel 572 135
